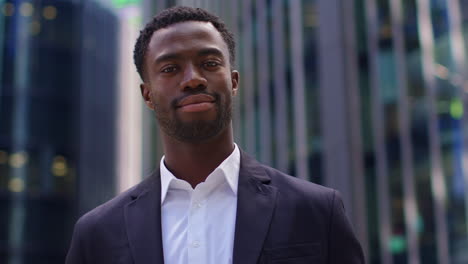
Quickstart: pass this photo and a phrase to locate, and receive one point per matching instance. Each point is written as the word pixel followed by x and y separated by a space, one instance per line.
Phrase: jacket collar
pixel 255 206
pixel 143 221
pixel 256 202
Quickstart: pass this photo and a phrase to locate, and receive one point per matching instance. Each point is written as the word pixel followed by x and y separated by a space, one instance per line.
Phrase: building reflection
pixel 365 96
pixel 57 80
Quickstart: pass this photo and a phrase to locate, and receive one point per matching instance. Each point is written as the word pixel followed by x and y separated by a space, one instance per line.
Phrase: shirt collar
pixel 229 168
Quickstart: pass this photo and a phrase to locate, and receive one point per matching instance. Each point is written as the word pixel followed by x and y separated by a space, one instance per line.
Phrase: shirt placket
pixel 196 238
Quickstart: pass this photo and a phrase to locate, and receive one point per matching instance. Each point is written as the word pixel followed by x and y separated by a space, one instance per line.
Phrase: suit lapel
pixel 143 222
pixel 255 205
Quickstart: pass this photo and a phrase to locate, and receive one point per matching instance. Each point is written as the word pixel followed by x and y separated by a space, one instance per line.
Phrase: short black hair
pixel 175 15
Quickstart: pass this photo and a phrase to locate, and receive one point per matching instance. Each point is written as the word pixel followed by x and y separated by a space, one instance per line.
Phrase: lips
pixel 196 103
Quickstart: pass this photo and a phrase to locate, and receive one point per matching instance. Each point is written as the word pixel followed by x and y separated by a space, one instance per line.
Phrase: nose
pixel 193 78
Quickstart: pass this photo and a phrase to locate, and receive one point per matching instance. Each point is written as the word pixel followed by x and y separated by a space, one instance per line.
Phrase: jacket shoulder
pixel 318 213
pixel 288 183
pixel 298 193
pixel 102 230
pixel 111 209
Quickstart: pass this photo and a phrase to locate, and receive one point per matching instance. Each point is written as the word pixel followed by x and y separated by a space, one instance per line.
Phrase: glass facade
pixel 59 102
pixel 38 129
pixel 365 96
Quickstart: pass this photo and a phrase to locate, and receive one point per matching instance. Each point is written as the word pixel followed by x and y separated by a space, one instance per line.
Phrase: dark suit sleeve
pixel 344 246
pixel 76 254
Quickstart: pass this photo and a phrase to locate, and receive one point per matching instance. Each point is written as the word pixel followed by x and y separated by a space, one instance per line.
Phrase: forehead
pixel 185 37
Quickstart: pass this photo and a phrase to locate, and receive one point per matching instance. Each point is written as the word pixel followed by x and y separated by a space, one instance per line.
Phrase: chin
pixel 209 116
pixel 199 131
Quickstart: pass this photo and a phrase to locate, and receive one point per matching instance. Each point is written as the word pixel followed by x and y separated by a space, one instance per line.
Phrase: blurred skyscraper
pixel 58 104
pixel 365 96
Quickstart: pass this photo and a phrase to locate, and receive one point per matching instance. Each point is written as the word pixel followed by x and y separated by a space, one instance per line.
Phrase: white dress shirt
pixel 198 224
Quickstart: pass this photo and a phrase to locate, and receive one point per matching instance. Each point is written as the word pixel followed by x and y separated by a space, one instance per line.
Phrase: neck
pixel 193 162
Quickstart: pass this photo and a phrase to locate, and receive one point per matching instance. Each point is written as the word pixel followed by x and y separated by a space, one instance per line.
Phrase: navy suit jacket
pixel 280 219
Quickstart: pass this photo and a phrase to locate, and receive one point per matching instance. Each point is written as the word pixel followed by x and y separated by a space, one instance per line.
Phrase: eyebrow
pixel 210 51
pixel 202 52
pixel 166 57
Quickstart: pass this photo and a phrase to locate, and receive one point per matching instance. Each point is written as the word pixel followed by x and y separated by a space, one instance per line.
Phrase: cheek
pixel 227 98
pixel 157 101
pixel 223 84
pixel 160 96
pixel 230 92
pixel 155 98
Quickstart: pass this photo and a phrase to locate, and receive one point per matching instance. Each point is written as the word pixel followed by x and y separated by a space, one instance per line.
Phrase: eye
pixel 169 69
pixel 211 64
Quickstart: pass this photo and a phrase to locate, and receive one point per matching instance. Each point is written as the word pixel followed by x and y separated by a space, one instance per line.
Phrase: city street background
pixel 369 97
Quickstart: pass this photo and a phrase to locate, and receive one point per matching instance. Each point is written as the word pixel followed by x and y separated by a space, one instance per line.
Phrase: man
pixel 208 202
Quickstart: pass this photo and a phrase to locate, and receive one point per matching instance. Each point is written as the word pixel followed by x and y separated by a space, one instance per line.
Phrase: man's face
pixel 188 81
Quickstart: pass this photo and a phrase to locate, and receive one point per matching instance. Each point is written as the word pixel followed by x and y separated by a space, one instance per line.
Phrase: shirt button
pixel 198 205
pixel 195 244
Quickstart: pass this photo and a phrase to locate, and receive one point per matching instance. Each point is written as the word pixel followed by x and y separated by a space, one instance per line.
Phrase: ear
pixel 234 82
pixel 146 94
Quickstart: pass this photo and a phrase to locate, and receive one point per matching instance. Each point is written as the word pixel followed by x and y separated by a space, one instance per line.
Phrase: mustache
pixel 175 102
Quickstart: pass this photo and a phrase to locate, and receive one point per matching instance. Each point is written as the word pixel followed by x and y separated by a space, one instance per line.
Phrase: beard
pixel 195 131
